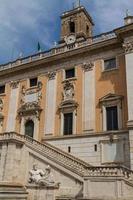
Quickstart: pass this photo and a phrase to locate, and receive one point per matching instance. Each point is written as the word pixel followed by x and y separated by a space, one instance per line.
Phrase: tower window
pixel 112 118
pixel 70 73
pixel 72 27
pixel 87 28
pixel 33 82
pixel 68 123
pixel 29 128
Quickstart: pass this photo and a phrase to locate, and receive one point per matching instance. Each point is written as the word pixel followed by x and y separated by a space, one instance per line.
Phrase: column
pixel 13 103
pixel 50 104
pixel 128 45
pixel 89 97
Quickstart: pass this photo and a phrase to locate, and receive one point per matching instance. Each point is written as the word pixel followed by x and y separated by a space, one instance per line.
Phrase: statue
pixel 39 177
pixel 35 174
pixel 68 91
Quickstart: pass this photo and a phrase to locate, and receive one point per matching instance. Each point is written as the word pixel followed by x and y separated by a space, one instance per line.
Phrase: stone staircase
pixel 90 176
pixel 57 155
pixel 71 162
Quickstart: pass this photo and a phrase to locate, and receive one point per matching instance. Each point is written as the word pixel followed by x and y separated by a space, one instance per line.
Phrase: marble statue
pixel 40 177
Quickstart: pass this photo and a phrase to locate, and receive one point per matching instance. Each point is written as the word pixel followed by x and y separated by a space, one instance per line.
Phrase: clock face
pixel 70 39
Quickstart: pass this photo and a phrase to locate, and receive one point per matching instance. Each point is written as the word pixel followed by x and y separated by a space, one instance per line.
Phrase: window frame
pixel 113 106
pixel 32 127
pixel 30 82
pixel 72 78
pixel 69 110
pixel 110 58
pixel 119 116
pixel 64 123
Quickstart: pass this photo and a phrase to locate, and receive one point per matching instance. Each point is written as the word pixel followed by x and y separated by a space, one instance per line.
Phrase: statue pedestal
pixel 41 192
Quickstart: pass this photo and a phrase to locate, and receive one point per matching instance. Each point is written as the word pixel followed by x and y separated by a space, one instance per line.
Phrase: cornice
pixel 89 49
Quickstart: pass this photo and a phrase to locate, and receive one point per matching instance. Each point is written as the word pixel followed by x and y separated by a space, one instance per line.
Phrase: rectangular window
pixel 2 89
pixel 112 118
pixel 68 123
pixel 110 64
pixel 33 82
pixel 69 73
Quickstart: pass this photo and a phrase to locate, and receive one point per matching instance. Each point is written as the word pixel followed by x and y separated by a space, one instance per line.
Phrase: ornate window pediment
pixel 111 99
pixel 30 101
pixel 68 104
pixel 111 105
pixel 30 109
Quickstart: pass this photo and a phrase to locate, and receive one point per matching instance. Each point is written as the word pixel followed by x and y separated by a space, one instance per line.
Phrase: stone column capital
pixel 88 66
pixel 128 46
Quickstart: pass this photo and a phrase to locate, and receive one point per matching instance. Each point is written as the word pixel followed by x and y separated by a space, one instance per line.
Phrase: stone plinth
pixel 37 192
pixel 12 191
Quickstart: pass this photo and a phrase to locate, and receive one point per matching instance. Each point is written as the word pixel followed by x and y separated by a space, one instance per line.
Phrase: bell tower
pixel 76 23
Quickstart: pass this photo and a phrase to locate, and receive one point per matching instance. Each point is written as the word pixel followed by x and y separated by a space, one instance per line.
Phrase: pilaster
pixel 128 46
pixel 88 97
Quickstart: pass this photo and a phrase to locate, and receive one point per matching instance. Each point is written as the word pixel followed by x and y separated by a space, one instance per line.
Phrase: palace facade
pixel 70 108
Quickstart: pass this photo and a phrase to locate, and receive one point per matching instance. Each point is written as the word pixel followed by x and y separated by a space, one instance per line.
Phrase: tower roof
pixel 77 10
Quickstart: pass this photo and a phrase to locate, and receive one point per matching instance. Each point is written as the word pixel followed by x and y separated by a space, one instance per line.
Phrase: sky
pixel 24 23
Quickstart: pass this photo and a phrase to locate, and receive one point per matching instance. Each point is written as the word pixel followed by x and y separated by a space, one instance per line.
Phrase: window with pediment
pixel 111 106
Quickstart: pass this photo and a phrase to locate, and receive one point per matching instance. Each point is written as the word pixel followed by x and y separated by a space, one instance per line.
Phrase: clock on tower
pixel 76 25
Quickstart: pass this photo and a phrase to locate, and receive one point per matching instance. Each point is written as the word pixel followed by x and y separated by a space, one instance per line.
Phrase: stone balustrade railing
pixel 56 50
pixel 64 159
pixel 110 171
pixel 49 151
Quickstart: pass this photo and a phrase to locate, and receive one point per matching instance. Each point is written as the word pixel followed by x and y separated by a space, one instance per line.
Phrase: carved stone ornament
pixel 128 46
pixel 30 109
pixel 31 93
pixel 51 75
pixel 42 177
pixel 88 66
pixel 68 92
pixel 1 105
pixel 14 84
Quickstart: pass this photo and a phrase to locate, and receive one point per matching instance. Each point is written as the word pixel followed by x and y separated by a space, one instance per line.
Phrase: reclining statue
pixel 38 176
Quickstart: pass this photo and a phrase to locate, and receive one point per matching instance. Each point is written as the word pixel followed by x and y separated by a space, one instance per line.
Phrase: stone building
pixel 66 116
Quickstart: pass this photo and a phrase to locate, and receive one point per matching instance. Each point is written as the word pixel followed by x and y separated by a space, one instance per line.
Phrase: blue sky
pixel 25 22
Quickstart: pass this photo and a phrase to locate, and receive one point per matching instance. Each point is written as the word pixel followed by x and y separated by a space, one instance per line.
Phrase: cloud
pixel 24 23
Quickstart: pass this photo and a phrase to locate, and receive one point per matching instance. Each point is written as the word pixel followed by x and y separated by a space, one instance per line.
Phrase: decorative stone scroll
pixel 68 92
pixel 88 66
pixel 14 84
pixel 51 75
pixel 128 46
pixel 1 105
pixel 42 178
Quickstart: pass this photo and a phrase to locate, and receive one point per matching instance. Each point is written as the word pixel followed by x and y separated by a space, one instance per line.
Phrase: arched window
pixel 29 128
pixel 72 27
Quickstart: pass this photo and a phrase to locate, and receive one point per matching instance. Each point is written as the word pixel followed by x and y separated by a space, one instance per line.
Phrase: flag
pixel 38 47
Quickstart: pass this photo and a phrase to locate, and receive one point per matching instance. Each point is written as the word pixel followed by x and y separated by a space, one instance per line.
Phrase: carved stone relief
pixel 14 84
pixel 51 75
pixel 68 92
pixel 88 66
pixel 30 101
pixel 128 46
pixel 1 105
pixel 42 177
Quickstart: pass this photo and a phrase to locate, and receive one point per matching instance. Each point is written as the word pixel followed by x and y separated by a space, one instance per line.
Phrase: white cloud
pixel 24 23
